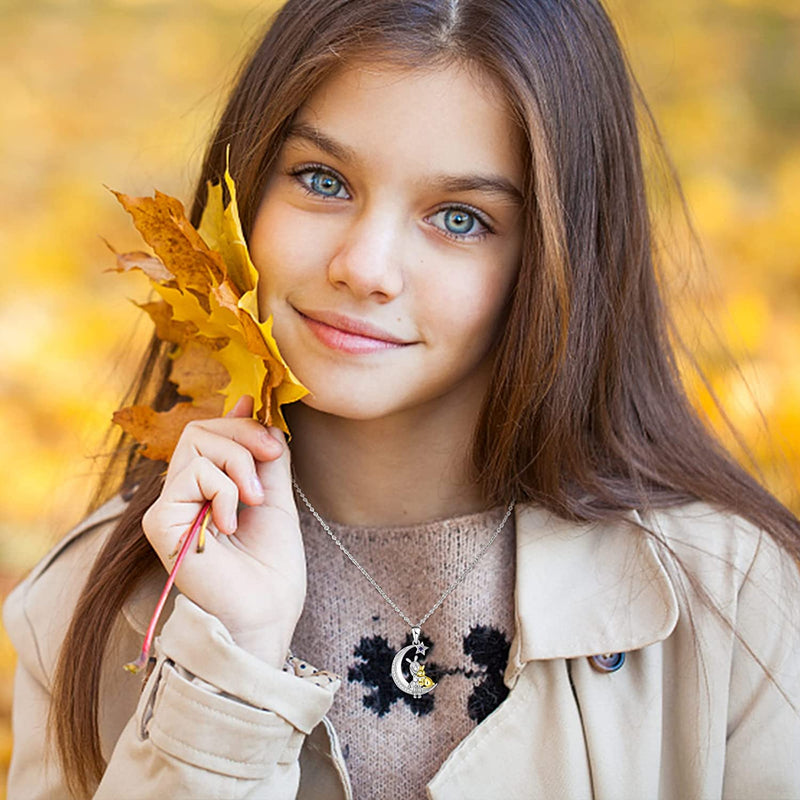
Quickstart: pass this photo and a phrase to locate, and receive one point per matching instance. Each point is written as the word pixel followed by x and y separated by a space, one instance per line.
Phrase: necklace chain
pixel 369 577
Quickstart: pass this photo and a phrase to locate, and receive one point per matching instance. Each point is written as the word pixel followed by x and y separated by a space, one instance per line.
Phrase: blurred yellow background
pixel 123 93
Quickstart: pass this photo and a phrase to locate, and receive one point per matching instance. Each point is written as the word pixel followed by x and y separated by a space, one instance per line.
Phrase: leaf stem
pixel 200 523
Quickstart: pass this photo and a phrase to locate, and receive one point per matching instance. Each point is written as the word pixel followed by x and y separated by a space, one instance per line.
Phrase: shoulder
pixel 37 612
pixel 701 525
pixel 724 553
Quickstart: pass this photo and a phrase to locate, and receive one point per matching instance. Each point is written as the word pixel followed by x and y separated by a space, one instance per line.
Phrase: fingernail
pixel 276 434
pixel 255 485
pixel 233 523
pixel 233 407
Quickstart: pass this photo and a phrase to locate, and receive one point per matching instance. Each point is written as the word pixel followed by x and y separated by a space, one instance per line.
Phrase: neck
pixel 399 470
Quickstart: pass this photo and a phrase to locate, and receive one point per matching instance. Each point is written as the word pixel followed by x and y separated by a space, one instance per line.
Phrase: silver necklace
pixel 420 683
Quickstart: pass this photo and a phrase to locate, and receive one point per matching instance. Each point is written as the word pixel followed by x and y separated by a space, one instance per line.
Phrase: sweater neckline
pixel 461 523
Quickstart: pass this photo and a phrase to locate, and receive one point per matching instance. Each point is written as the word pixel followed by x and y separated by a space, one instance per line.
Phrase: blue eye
pixel 321 182
pixel 460 223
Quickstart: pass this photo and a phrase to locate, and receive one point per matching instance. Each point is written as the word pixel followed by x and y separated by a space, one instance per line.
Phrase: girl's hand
pixel 252 577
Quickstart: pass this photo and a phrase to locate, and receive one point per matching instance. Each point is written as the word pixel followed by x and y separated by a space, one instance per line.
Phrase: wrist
pixel 270 650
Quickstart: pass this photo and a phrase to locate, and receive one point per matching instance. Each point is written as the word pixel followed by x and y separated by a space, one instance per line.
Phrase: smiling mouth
pixel 349 335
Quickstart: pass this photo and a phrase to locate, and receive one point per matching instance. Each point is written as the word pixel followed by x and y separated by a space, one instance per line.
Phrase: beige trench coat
pixel 690 715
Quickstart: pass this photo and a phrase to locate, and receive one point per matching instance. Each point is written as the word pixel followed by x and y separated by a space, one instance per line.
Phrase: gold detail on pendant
pixel 422 679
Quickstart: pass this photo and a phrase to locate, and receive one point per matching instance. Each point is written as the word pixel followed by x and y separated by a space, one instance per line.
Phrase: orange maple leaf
pixel 209 310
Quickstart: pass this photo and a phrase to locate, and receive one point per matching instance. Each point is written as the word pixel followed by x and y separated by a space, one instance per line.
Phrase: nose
pixel 368 259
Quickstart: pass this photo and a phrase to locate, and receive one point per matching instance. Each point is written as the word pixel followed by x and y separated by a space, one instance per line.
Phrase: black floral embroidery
pixel 487 646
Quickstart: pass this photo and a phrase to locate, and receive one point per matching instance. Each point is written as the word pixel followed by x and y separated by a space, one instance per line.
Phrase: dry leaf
pixel 168 329
pixel 196 373
pixel 209 309
pixel 159 431
pixel 162 222
pixel 151 266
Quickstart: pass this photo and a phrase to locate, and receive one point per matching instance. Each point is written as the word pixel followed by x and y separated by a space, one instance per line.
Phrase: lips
pixel 349 335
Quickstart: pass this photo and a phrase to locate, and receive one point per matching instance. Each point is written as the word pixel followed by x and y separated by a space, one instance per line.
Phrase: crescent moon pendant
pixel 408 687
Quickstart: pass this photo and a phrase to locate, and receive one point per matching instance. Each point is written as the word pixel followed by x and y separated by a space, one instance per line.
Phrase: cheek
pixel 281 249
pixel 467 308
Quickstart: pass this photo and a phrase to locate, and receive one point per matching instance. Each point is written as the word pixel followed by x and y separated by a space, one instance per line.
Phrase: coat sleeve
pixel 211 721
pixel 214 721
pixel 763 743
pixel 33 775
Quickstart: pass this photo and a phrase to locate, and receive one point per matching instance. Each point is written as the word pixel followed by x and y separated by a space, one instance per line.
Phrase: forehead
pixel 452 117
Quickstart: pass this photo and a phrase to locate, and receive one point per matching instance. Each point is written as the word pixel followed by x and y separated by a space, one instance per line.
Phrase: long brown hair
pixel 586 413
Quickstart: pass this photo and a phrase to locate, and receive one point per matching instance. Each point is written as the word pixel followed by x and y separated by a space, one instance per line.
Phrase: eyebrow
pixel 487 184
pixel 302 130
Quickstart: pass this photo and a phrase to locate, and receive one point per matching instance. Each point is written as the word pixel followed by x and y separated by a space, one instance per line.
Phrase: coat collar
pixel 585 589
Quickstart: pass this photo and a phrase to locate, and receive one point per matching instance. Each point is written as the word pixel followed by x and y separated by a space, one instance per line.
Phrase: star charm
pixel 421 648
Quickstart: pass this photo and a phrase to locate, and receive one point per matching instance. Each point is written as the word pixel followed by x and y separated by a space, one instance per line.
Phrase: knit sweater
pixel 394 743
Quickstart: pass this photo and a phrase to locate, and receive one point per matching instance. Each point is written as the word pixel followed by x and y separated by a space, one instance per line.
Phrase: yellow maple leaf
pixel 209 308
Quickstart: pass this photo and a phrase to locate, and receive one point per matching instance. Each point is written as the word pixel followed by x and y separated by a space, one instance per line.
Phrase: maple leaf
pixel 208 287
pixel 156 429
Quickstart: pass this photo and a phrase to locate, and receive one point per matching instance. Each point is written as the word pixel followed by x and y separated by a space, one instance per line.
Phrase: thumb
pixel 243 407
pixel 276 477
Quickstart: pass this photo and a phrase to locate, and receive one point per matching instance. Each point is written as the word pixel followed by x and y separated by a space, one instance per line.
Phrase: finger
pixel 248 433
pixel 243 407
pixel 276 476
pixel 202 481
pixel 232 458
pixel 168 519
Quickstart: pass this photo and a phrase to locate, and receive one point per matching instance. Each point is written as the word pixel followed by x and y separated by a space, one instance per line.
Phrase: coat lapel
pixel 586 589
pixel 581 590
pixel 530 747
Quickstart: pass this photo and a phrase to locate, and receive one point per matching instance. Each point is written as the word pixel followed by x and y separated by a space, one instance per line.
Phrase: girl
pixel 581 594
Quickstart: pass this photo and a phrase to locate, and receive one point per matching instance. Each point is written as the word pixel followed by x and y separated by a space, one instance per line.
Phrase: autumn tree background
pixel 124 93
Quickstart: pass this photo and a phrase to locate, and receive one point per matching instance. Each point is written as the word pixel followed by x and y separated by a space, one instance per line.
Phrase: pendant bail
pixel 415 634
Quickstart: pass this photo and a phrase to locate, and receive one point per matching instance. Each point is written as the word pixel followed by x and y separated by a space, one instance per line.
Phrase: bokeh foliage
pixel 124 93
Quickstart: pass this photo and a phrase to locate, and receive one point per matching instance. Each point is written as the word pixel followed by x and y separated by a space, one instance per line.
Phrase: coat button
pixel 607 662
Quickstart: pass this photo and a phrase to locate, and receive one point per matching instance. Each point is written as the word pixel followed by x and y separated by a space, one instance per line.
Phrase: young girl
pixel 580 593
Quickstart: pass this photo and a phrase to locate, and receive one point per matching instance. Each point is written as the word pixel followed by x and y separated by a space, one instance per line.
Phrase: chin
pixel 348 407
